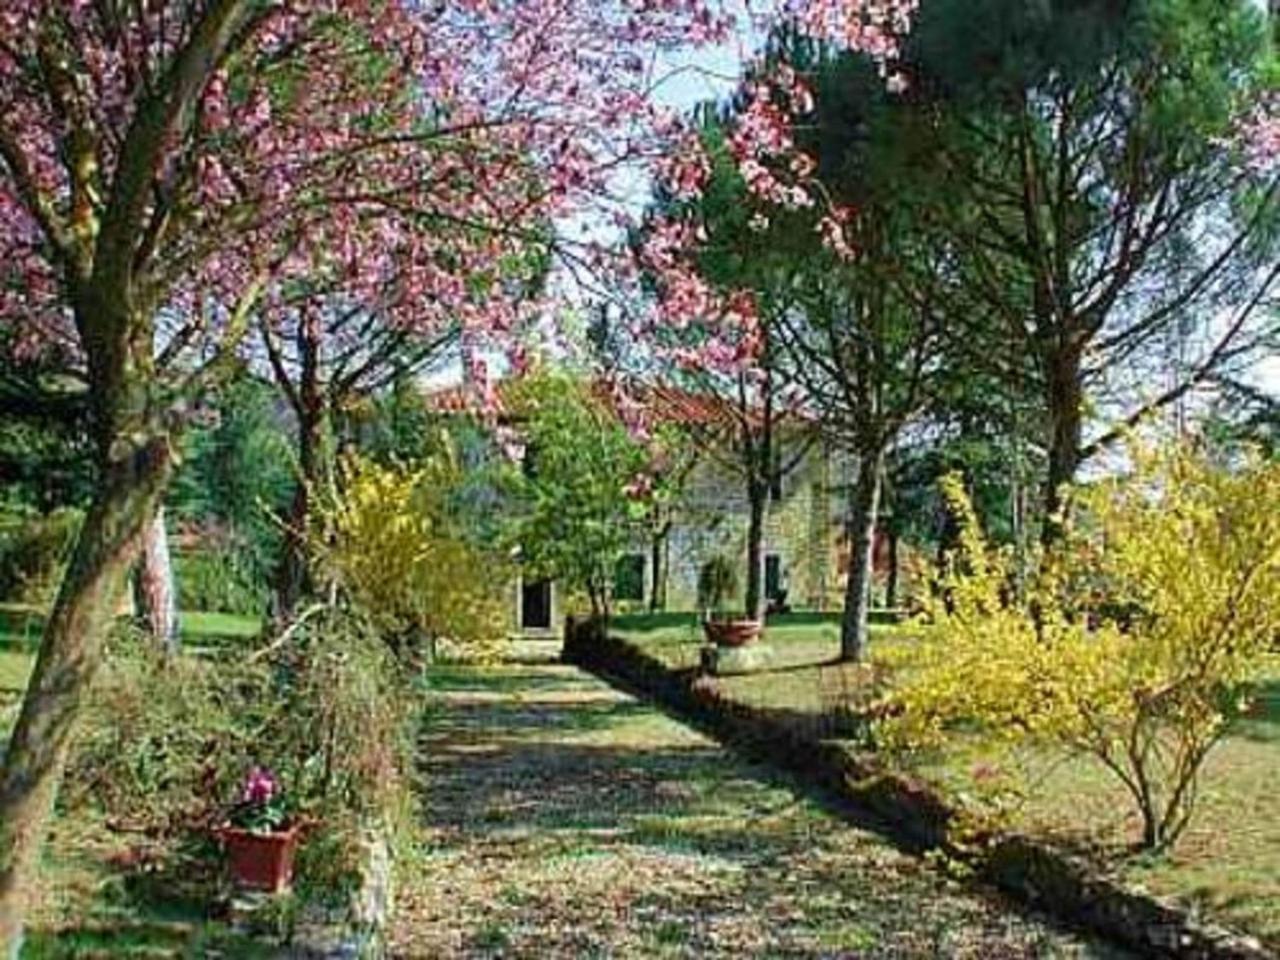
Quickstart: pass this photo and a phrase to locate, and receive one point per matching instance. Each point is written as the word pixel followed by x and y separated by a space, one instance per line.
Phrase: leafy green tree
pixel 326 356
pixel 852 331
pixel 233 485
pixel 580 495
pixel 866 337
pixel 1100 210
pixel 752 422
pixel 1245 415
pixel 45 453
pixel 45 448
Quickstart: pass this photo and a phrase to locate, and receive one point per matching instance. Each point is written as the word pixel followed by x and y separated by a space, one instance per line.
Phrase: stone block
pixel 728 661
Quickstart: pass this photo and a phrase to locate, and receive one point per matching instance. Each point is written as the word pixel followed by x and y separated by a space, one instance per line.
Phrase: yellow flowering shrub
pixel 1134 644
pixel 395 546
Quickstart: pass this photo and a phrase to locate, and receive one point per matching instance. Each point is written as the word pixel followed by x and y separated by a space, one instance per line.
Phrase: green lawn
pixel 199 626
pixel 118 894
pixel 111 894
pixel 20 626
pixel 809 678
pixel 15 666
pixel 1229 860
pixel 801 638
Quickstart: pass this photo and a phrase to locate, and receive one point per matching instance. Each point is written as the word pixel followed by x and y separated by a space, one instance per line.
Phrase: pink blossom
pixel 417 193
pixel 1259 134
pixel 260 787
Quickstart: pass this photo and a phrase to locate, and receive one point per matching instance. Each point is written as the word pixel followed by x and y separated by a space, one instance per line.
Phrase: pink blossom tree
pixel 171 171
pixel 166 166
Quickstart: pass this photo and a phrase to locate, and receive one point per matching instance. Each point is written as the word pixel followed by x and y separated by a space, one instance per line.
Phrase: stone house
pixel 805 543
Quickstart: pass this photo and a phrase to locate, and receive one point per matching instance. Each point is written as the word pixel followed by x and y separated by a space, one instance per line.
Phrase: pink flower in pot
pixel 260 835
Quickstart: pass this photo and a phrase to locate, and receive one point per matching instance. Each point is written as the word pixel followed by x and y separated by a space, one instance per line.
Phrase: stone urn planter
pixel 261 860
pixel 717 582
pixel 732 633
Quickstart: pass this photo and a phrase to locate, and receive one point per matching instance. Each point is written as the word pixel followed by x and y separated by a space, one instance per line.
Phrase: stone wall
pixel 800 528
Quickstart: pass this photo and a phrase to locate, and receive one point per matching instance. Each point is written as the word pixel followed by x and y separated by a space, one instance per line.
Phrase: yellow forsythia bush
pixel 1135 643
pixel 396 548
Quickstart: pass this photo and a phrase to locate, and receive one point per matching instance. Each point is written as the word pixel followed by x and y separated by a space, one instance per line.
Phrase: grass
pixel 1228 862
pixel 808 679
pixel 105 894
pixel 197 625
pixel 800 638
pixel 21 624
pixel 15 667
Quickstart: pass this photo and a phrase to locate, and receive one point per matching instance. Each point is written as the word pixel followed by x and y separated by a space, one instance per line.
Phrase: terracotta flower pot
pixel 732 633
pixel 261 861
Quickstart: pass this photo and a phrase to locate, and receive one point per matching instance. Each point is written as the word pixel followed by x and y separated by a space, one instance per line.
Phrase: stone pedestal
pixel 728 661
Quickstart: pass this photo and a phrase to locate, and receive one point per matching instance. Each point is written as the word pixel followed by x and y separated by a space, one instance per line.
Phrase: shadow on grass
pixel 516 720
pixel 498 767
pixel 20 627
pixel 502 773
pixel 147 912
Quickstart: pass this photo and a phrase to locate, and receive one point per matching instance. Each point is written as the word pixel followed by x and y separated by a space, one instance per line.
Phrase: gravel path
pixel 562 818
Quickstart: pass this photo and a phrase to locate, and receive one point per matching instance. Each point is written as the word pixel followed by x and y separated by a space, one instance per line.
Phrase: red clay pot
pixel 732 633
pixel 261 861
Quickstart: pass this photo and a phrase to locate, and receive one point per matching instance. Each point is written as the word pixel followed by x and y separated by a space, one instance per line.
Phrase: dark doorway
pixel 535 605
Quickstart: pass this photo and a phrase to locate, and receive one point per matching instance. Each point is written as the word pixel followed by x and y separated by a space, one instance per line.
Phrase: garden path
pixel 563 818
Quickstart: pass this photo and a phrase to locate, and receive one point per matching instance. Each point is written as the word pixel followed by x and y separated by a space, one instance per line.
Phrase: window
pixel 772 576
pixel 628 577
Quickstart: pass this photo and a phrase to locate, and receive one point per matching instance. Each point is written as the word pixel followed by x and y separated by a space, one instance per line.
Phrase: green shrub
pixel 717 584
pixel 33 553
pixel 165 742
pixel 345 743
pixel 220 581
pixel 390 542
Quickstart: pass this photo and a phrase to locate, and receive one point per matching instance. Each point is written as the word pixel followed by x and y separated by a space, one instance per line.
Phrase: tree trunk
pixel 293 579
pixel 130 491
pixel 891 578
pixel 658 568
pixel 758 496
pixel 154 591
pixel 598 594
pixel 1065 400
pixel 865 503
